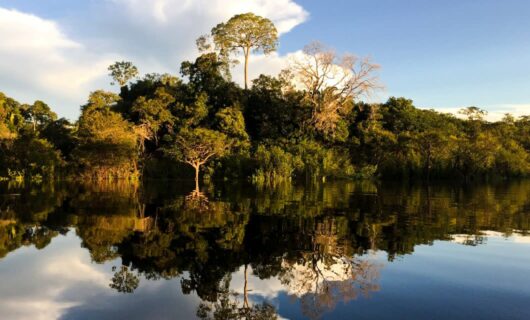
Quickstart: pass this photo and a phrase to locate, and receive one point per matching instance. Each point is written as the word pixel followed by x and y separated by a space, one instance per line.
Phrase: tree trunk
pixel 245 290
pixel 197 167
pixel 429 164
pixel 246 68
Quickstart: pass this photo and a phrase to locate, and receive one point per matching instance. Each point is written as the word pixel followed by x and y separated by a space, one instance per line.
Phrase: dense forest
pixel 308 122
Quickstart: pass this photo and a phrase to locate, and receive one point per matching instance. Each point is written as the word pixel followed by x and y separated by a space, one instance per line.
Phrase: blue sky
pixel 448 53
pixel 442 54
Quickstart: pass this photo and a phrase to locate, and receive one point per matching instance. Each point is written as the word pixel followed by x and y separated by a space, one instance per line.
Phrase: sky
pixel 444 54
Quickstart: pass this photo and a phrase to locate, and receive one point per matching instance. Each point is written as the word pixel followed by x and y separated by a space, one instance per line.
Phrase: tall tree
pixel 245 32
pixel 122 72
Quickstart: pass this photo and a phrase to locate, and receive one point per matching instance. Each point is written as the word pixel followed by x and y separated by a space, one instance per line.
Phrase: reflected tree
pixel 124 281
pixel 229 306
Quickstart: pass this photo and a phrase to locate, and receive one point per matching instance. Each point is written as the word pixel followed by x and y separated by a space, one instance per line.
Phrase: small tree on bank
pixel 197 146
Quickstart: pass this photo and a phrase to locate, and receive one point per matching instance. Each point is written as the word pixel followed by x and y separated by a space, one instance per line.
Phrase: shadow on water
pixel 315 239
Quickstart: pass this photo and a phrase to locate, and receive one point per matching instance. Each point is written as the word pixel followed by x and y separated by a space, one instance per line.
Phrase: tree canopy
pixel 245 33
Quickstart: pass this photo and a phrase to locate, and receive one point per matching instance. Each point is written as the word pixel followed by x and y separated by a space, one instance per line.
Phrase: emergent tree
pixel 245 32
pixel 122 72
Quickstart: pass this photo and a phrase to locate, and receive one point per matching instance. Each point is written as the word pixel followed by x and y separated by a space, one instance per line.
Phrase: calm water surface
pixel 325 251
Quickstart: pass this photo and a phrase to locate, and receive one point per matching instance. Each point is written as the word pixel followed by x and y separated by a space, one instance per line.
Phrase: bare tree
pixel 328 273
pixel 332 83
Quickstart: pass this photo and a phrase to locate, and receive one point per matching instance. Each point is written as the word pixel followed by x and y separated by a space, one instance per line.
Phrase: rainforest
pixel 309 123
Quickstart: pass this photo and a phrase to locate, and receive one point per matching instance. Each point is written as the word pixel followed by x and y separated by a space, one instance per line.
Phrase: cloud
pixel 259 64
pixel 498 111
pixel 158 35
pixel 495 112
pixel 61 61
pixel 38 61
pixel 55 274
pixel 284 13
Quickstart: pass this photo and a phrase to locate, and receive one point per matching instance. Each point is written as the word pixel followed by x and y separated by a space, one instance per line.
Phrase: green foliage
pixel 273 111
pixel 274 164
pixel 38 114
pixel 31 158
pixel 152 113
pixel 191 114
pixel 61 134
pixel 207 75
pixel 124 281
pixel 246 32
pixel 231 122
pixel 321 162
pixel 11 118
pixel 107 146
pixel 196 146
pixel 122 71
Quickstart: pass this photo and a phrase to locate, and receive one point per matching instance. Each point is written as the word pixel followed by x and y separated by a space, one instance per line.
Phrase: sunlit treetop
pixel 122 72
pixel 244 32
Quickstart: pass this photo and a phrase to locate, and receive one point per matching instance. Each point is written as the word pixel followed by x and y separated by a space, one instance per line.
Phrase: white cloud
pixel 54 273
pixel 158 35
pixel 270 64
pixel 284 13
pixel 39 60
pixel 498 111
pixel 495 112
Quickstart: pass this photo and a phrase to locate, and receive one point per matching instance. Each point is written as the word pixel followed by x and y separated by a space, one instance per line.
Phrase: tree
pixel 153 112
pixel 231 122
pixel 332 83
pixel 34 158
pixel 39 113
pixel 246 32
pixel 11 118
pixel 122 72
pixel 475 154
pixel 107 142
pixel 205 75
pixel 273 109
pixel 59 133
pixel 124 281
pixel 475 117
pixel 197 146
pixel 227 307
pixel 431 144
pixel 473 113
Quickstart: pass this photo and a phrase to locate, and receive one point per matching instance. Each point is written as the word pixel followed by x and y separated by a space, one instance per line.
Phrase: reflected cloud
pixel 63 268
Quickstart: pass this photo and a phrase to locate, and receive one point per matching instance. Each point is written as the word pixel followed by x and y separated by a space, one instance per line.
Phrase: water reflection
pixel 319 244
